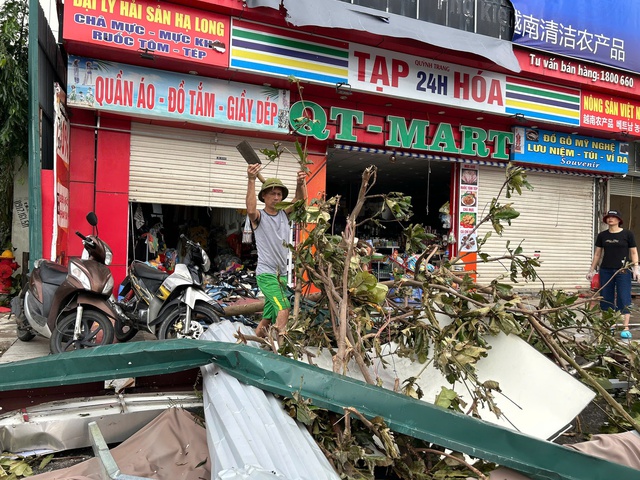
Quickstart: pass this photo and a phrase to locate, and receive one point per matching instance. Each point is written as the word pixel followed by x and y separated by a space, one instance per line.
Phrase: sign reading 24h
pixel 425 80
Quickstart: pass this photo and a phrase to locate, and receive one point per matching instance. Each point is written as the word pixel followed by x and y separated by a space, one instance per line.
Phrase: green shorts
pixel 275 293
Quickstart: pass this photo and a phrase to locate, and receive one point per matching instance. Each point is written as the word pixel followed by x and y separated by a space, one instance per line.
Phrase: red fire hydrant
pixel 7 267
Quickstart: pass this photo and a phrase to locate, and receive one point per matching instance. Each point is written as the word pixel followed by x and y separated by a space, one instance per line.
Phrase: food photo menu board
pixel 468 209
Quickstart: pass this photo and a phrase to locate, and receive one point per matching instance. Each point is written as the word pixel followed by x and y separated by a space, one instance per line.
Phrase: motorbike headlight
pixel 108 256
pixel 108 288
pixel 77 273
pixel 206 263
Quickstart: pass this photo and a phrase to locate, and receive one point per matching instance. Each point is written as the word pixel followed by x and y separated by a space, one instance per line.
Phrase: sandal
pixel 626 333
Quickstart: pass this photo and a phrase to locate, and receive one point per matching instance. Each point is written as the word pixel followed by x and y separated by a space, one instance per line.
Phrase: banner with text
pixel 602 32
pixel 468 208
pixel 576 152
pixel 575 71
pixel 610 114
pixel 61 138
pixel 164 30
pixel 121 88
pixel 425 80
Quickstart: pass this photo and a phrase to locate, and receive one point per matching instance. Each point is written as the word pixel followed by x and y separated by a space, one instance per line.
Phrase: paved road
pixel 12 349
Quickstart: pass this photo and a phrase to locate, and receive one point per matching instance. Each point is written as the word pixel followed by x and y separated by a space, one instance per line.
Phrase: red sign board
pixel 609 113
pixel 161 29
pixel 574 71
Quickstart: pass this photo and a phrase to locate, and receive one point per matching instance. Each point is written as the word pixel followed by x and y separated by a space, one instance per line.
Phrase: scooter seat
pixel 144 271
pixel 53 273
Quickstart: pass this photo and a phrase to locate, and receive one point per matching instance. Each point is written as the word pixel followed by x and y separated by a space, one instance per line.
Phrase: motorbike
pixel 69 304
pixel 166 305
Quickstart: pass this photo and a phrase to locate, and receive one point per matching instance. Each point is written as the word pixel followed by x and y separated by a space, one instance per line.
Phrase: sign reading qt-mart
pixel 575 152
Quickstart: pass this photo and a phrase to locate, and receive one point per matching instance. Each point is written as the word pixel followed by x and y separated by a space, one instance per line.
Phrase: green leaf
pixel 445 397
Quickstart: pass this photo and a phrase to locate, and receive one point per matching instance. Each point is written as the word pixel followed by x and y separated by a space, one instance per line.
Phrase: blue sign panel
pixel 602 31
pixel 572 152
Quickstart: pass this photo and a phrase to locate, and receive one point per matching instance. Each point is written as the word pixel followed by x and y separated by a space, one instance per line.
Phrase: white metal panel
pixel 247 427
pixel 556 221
pixel 191 167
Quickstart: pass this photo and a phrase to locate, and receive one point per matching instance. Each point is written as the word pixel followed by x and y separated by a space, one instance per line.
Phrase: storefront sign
pixel 574 152
pixel 161 29
pixel 61 178
pixel 399 133
pixel 610 114
pixel 144 92
pixel 571 70
pixel 593 30
pixel 425 80
pixel 468 209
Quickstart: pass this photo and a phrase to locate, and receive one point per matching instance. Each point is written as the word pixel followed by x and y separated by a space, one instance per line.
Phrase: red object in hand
pixel 595 282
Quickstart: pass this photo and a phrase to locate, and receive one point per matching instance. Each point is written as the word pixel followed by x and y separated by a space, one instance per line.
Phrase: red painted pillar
pixel 81 176
pixel 99 182
pixel 112 189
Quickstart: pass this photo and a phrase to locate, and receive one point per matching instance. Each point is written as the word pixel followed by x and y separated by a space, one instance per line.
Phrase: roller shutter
pixel 556 221
pixel 190 167
pixel 625 187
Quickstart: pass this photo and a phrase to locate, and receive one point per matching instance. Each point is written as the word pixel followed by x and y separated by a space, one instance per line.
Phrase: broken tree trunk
pixel 256 306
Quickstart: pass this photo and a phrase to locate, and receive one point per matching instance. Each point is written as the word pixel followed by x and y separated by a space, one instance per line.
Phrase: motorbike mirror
pixel 92 219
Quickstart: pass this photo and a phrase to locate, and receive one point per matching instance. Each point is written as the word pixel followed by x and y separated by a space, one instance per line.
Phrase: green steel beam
pixel 540 460
pixel 35 193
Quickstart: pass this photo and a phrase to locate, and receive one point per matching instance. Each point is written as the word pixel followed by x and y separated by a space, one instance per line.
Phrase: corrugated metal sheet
pixel 541 460
pixel 248 426
pixel 556 221
pixel 191 167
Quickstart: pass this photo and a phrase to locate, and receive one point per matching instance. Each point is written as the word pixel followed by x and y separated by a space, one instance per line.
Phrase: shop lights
pixel 343 89
pixel 147 54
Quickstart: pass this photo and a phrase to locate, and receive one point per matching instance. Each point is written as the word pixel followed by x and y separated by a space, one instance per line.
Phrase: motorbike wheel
pixel 202 316
pixel 96 329
pixel 25 334
pixel 123 332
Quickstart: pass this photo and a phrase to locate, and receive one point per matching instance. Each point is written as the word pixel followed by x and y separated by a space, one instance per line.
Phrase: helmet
pixel 272 183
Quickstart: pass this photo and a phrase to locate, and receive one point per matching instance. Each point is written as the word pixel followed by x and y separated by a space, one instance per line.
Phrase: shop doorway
pixel 427 182
pixel 155 229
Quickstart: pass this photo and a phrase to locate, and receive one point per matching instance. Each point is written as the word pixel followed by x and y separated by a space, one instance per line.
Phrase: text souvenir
pixel 120 88
pixel 574 152
pixel 150 28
